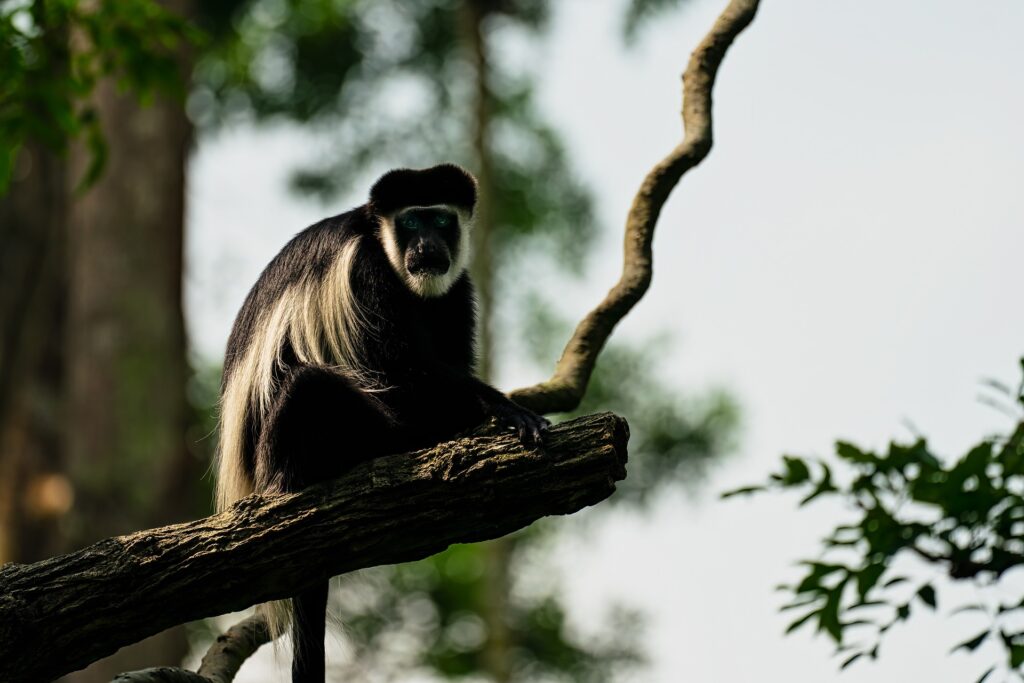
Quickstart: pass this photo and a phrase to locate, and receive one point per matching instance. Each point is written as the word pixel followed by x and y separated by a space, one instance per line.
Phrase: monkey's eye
pixel 442 220
pixel 409 222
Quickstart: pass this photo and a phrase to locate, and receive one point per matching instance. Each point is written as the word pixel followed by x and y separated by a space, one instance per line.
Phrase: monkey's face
pixel 426 246
pixel 427 238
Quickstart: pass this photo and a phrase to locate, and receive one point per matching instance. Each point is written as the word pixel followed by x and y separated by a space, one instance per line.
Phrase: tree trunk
pixel 34 494
pixel 126 351
pixel 127 407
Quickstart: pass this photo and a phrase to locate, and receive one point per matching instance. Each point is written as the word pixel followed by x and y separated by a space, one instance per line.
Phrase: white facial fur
pixel 426 285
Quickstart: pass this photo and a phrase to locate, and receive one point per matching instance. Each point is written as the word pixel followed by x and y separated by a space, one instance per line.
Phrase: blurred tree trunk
pixel 474 13
pixel 34 493
pixel 127 365
pixel 126 335
pixel 497 650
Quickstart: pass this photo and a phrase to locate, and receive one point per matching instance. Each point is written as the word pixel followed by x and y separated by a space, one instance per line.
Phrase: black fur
pixel 444 184
pixel 420 350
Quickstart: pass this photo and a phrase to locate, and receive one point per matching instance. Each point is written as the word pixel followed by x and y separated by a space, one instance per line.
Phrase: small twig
pixel 567 386
pixel 220 663
pixel 226 655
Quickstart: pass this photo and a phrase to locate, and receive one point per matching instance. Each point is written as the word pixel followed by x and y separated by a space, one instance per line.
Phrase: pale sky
pixel 847 258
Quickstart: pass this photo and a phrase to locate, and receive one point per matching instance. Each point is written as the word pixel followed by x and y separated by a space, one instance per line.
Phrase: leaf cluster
pixel 53 53
pixel 963 519
pixel 389 83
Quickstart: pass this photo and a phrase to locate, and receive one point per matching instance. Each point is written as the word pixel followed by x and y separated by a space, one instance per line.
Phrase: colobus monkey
pixel 357 341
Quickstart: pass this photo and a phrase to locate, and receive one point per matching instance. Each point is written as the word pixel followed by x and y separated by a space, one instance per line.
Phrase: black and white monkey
pixel 357 341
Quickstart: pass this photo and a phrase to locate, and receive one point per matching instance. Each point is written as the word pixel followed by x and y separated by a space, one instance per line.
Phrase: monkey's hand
pixel 528 425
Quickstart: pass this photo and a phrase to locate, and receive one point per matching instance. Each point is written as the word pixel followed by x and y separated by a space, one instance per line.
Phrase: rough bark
pixel 60 614
pixel 567 386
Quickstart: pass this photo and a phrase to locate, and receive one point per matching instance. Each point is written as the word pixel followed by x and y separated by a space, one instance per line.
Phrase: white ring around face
pixel 425 285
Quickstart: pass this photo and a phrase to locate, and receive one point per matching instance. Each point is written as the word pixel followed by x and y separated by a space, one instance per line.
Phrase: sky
pixel 846 261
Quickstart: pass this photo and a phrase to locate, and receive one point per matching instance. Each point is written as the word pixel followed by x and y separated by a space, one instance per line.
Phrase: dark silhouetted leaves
pixel 850 660
pixel 972 644
pixel 927 595
pixel 963 517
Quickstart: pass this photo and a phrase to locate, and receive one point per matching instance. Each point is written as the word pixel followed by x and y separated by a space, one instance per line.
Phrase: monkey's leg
pixel 320 426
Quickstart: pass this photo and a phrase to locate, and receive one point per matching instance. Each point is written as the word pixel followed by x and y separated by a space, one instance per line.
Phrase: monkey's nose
pixel 428 258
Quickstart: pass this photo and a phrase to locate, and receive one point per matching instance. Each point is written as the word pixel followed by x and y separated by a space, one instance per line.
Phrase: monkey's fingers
pixel 531 430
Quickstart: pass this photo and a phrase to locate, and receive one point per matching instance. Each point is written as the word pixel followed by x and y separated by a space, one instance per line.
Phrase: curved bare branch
pixel 220 663
pixel 567 386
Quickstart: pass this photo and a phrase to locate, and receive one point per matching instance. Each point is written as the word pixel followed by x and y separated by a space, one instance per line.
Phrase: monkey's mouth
pixel 427 264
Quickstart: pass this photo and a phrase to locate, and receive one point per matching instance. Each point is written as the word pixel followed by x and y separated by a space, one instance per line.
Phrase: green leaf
pixel 867 578
pixel 828 619
pixel 850 660
pixel 824 486
pixel 819 570
pixel 986 675
pixel 847 451
pixel 902 612
pixel 800 622
pixel 927 595
pixel 742 491
pixel 1016 656
pixel 796 471
pixel 858 622
pixel 972 644
pixel 799 603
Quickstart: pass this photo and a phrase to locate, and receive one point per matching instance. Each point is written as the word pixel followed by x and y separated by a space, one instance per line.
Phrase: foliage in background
pixel 962 519
pixel 388 83
pixel 639 12
pixel 424 618
pixel 54 52
pixel 673 438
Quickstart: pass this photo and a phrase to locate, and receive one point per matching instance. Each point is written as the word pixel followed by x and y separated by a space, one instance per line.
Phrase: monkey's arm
pixel 462 392
pixel 526 423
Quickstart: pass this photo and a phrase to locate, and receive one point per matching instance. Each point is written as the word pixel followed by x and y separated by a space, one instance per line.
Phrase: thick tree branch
pixel 567 386
pixel 60 614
